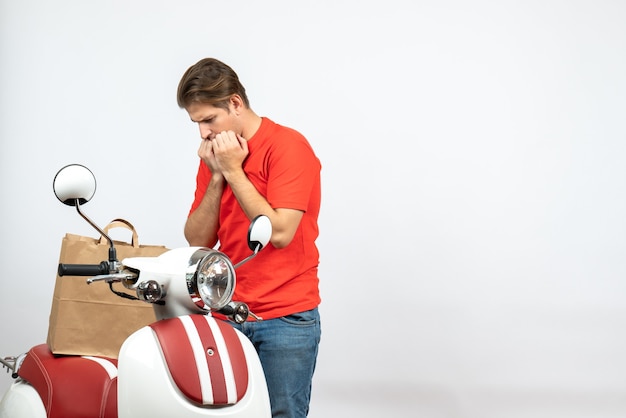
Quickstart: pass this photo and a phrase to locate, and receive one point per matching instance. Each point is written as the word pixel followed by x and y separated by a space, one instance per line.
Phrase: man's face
pixel 212 120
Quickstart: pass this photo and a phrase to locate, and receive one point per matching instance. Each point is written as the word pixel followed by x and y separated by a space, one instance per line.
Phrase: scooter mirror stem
pixel 250 257
pixel 112 252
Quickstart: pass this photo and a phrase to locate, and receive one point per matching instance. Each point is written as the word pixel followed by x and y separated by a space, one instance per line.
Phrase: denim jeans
pixel 287 348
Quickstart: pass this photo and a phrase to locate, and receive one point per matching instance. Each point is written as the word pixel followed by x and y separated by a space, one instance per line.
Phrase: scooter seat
pixel 72 386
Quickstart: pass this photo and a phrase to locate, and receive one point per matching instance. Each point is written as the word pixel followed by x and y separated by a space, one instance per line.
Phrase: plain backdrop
pixel 473 233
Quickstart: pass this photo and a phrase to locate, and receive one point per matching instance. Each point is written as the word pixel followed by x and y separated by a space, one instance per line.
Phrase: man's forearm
pixel 202 225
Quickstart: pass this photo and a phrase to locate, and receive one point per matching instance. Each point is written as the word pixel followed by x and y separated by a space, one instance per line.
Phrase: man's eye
pixel 206 121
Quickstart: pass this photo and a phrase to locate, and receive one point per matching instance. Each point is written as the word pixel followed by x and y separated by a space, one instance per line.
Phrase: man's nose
pixel 205 132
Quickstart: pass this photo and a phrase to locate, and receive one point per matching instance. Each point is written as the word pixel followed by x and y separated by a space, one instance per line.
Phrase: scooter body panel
pixel 146 386
pixel 22 401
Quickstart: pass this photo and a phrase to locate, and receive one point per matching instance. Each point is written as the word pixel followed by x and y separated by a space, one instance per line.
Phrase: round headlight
pixel 213 281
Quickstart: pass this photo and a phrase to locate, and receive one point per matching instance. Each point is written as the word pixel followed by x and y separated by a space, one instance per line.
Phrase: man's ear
pixel 236 103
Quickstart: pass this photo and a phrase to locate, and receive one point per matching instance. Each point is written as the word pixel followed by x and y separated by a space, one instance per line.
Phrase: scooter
pixel 186 364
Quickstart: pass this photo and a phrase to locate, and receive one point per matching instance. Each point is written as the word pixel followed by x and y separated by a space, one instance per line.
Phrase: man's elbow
pixel 195 240
pixel 281 240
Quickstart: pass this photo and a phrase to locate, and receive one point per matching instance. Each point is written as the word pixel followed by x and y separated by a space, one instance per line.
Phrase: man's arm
pixel 201 226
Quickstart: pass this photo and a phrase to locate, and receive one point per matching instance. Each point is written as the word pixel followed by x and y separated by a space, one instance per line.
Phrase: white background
pixel 473 233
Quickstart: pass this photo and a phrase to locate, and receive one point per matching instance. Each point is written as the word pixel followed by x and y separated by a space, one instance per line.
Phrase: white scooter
pixel 186 364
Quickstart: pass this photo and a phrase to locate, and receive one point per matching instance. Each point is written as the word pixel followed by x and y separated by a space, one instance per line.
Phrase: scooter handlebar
pixel 83 269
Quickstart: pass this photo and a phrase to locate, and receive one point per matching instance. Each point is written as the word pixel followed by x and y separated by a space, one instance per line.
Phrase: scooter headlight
pixel 212 284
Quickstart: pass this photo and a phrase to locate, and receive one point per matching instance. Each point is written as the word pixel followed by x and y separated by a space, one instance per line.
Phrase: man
pixel 252 166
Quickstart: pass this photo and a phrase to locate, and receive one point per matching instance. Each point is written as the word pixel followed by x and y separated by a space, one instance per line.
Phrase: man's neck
pixel 251 124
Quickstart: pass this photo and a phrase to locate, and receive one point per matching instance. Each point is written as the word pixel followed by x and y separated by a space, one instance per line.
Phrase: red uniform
pixel 284 169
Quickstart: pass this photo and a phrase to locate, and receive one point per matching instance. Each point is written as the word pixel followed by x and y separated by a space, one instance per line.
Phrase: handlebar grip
pixel 83 269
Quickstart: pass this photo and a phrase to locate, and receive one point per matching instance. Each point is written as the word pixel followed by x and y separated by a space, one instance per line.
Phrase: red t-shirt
pixel 283 167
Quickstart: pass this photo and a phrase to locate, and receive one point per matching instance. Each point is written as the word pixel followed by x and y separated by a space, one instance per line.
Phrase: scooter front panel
pixel 146 386
pixel 210 347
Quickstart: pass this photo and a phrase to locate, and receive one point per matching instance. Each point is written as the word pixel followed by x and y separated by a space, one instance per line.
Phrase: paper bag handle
pixel 121 223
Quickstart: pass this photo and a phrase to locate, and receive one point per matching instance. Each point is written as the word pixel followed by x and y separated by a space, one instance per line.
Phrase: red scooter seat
pixel 72 386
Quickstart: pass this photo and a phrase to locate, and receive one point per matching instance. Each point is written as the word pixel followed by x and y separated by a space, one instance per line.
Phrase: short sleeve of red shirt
pixel 290 184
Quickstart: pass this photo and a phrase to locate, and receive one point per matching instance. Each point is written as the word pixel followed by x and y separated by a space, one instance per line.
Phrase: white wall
pixel 473 236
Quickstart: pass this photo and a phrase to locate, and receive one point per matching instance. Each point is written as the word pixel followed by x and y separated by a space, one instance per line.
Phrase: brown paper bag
pixel 90 319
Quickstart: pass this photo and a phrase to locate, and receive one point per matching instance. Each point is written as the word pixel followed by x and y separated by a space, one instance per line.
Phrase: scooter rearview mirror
pixel 74 185
pixel 259 233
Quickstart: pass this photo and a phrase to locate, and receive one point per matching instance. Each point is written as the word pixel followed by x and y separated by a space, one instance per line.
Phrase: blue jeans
pixel 287 348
